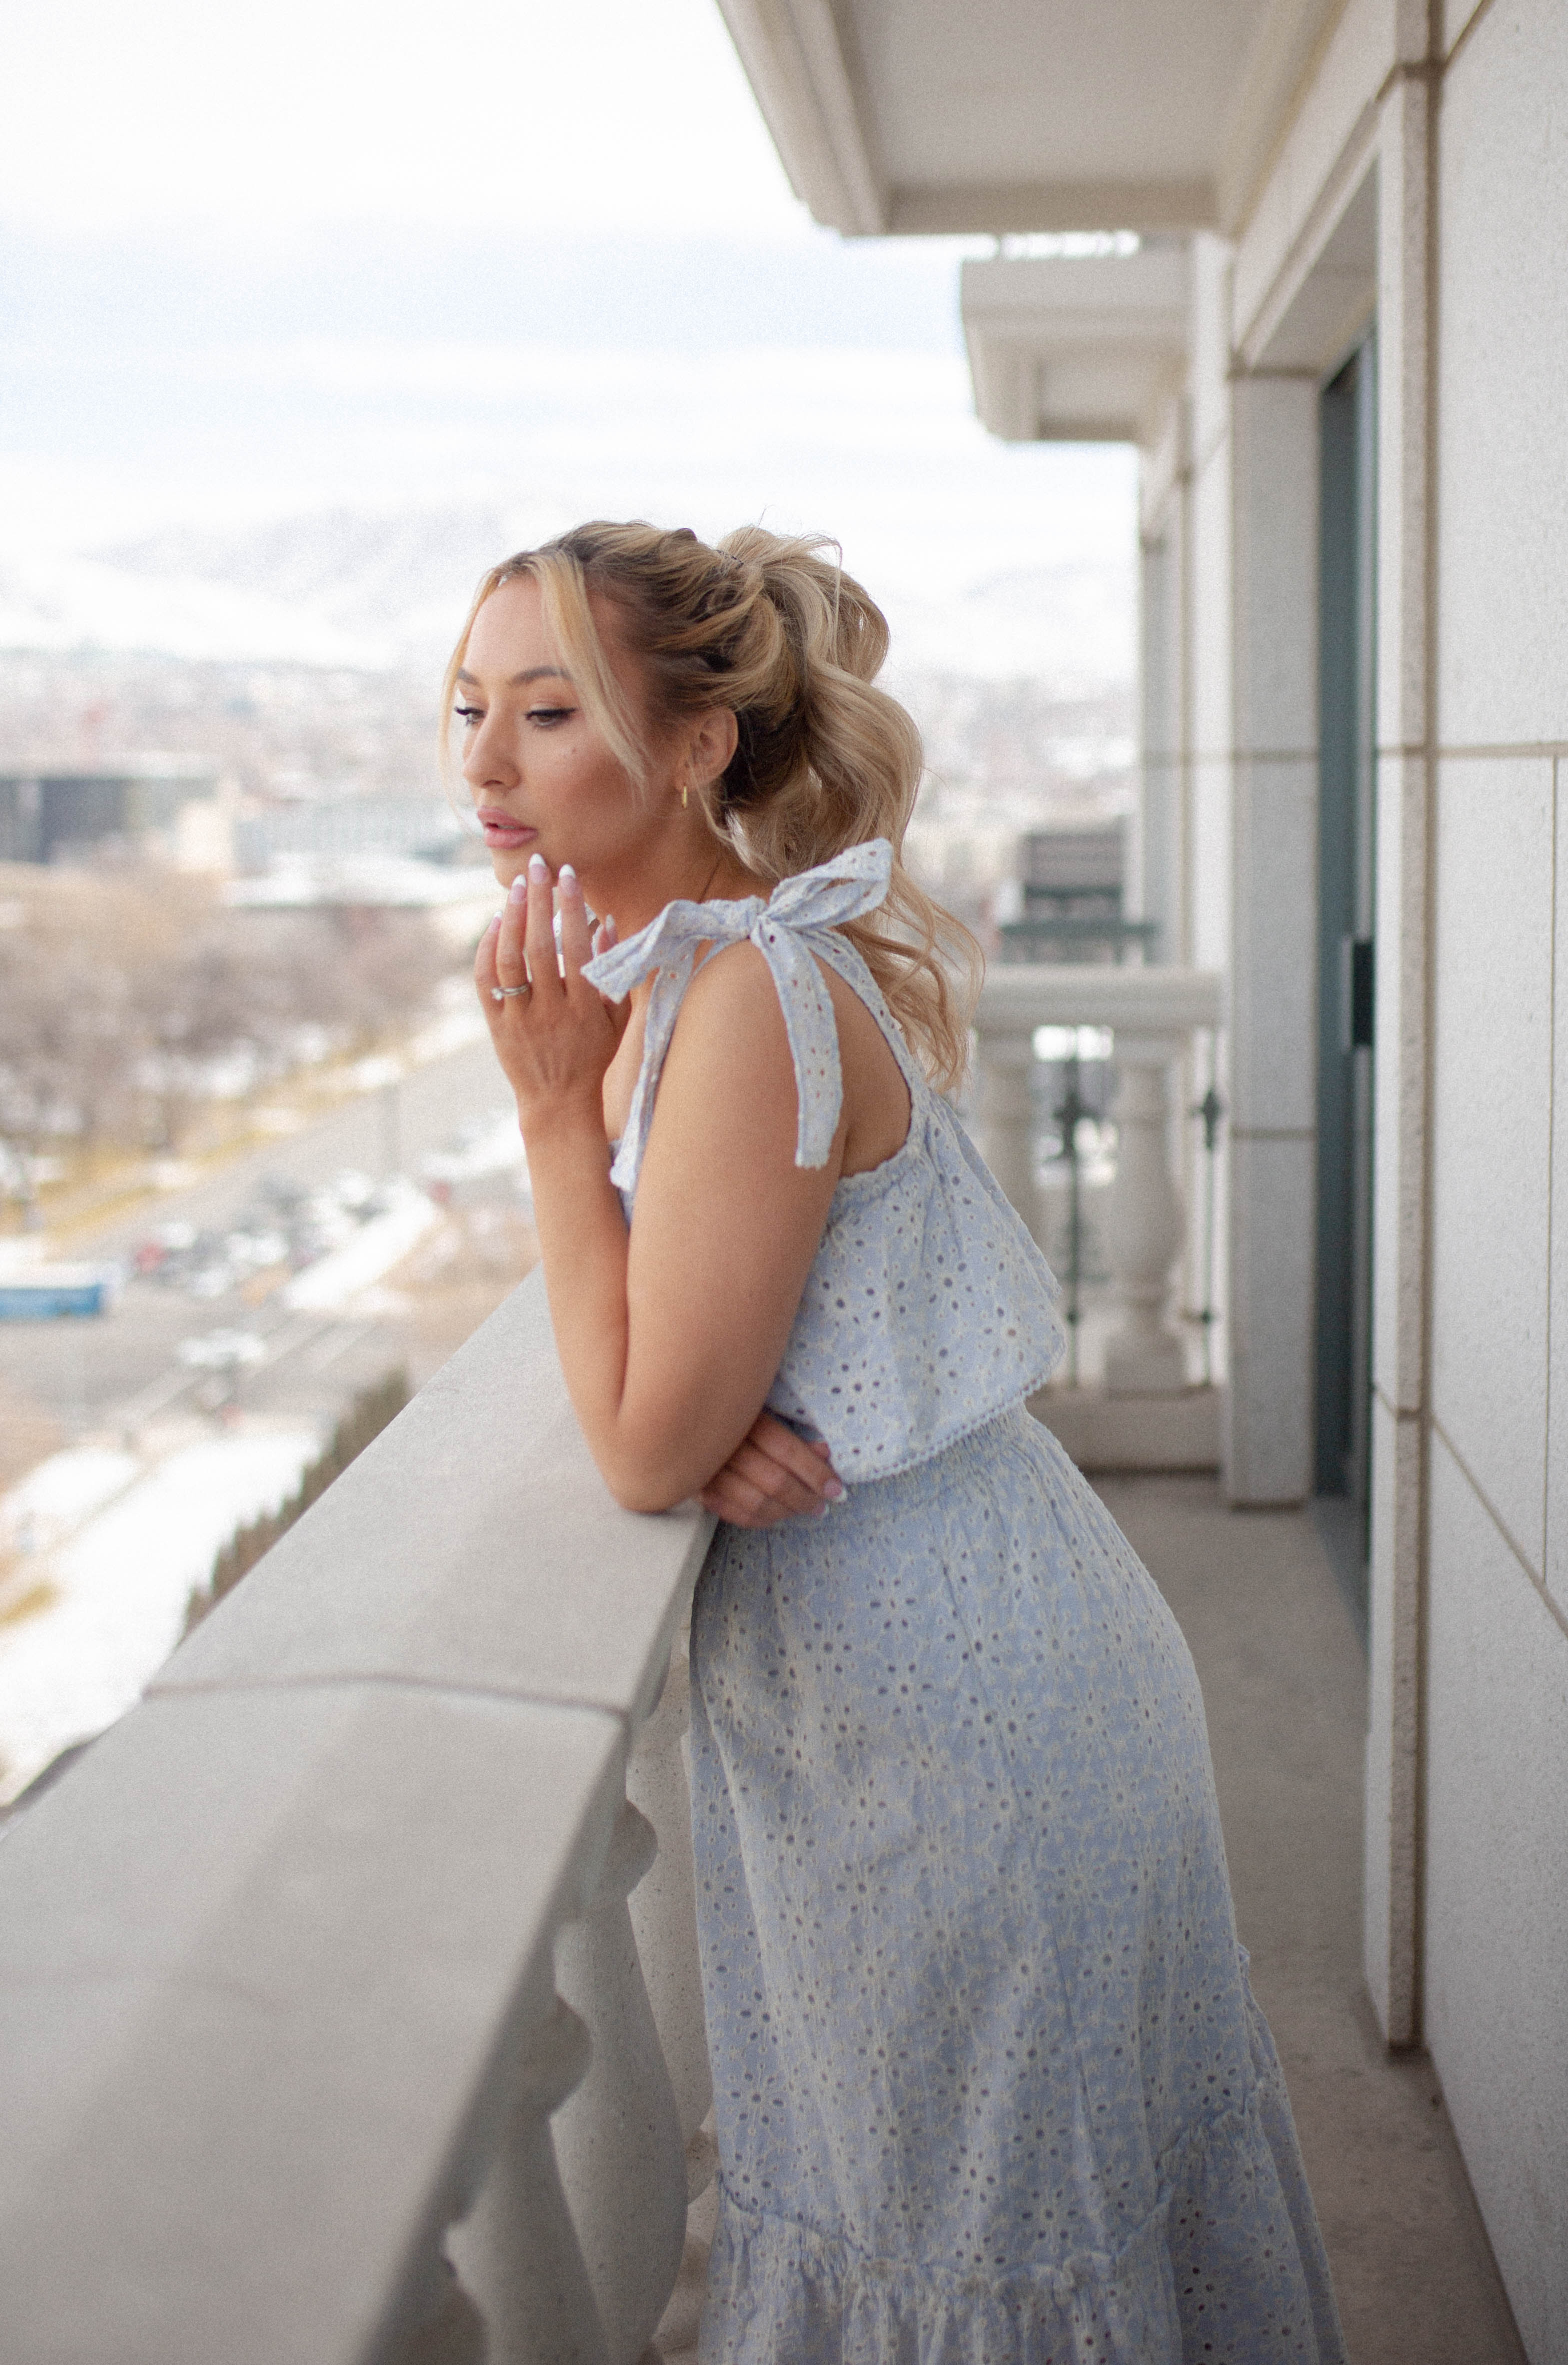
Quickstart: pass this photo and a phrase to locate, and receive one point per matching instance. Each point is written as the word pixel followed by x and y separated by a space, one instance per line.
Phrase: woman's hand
pixel 554 1034
pixel 772 1475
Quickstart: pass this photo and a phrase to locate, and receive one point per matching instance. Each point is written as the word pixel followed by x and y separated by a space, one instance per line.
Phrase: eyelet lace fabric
pixel 929 1308
pixel 990 2083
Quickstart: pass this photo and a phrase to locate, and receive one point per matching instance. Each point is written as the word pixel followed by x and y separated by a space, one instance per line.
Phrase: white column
pixel 664 1904
pixel 1270 1134
pixel 451 2331
pixel 574 2246
pixel 1006 1062
pixel 1159 836
pixel 517 2251
pixel 1407 234
pixel 663 1918
pixel 1146 1225
pixel 618 2140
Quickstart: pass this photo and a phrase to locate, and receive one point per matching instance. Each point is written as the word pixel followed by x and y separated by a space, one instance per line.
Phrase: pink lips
pixel 500 830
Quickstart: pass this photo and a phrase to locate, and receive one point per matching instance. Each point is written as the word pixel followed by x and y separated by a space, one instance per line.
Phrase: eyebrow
pixel 534 673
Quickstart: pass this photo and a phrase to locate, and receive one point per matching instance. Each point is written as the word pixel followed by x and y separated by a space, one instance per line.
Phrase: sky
pixel 263 265
pixel 502 115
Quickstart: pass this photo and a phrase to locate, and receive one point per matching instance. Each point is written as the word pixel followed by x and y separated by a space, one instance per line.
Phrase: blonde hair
pixel 771 628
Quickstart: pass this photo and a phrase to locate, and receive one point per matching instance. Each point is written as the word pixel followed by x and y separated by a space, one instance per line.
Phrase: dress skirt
pixel 990 2083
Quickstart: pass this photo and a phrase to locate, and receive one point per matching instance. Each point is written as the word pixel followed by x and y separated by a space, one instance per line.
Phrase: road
pixel 100 1373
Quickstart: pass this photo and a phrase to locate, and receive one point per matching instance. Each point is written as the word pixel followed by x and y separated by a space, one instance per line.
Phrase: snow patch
pixel 121 1585
pixel 334 1281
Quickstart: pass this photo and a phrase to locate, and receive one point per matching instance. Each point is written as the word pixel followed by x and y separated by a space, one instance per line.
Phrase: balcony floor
pixel 1285 1686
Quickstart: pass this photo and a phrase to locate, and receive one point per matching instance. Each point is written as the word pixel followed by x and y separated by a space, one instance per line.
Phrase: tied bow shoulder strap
pixel 781 929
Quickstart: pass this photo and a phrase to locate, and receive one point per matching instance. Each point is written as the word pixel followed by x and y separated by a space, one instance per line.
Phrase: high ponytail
pixel 771 627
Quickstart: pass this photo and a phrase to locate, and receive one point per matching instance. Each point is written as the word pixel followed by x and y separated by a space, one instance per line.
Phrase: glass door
pixel 1346 814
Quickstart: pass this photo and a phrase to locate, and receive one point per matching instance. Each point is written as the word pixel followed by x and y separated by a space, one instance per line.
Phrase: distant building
pixel 1067 904
pixel 346 826
pixel 60 816
pixel 460 899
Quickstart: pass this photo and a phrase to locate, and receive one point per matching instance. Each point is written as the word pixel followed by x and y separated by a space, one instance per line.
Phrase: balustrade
pixel 1153 1014
pixel 324 2029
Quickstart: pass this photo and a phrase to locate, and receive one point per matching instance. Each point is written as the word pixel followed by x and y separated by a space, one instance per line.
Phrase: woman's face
pixel 542 779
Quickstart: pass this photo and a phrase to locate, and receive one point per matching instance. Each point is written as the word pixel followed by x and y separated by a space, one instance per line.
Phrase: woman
pixel 990 2084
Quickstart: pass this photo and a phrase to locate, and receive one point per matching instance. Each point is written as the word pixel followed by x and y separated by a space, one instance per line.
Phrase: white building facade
pixel 1342 348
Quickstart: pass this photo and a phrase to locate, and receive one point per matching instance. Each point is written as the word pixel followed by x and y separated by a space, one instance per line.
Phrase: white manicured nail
pixel 566 876
pixel 537 866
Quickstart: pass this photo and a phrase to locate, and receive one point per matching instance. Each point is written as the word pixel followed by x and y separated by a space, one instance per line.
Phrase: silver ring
pixel 505 993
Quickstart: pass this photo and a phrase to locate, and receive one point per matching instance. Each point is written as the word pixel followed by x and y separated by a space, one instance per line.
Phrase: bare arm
pixel 669 1341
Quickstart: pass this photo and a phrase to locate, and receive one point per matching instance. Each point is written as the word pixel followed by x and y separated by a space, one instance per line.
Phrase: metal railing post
pixel 1068 1115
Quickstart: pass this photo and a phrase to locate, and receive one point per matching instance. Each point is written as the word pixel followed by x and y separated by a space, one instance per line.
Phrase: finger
pixel 773 1481
pixel 716 1499
pixel 484 960
pixel 734 1498
pixel 806 1459
pixel 786 1495
pixel 510 969
pixel 619 1014
pixel 727 1503
pixel 576 946
pixel 539 936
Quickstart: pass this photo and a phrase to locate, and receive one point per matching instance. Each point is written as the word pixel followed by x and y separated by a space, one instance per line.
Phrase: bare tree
pixel 123 999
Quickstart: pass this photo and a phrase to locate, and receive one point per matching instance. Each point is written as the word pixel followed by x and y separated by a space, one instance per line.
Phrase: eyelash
pixel 545 716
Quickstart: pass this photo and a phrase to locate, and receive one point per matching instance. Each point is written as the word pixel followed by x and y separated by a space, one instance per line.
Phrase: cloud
pixel 876 449
pixel 364 384
pixel 254 120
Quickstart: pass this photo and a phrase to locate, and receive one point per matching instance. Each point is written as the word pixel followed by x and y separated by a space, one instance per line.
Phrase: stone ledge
pixel 266 1959
pixel 473 1546
pixel 270 1949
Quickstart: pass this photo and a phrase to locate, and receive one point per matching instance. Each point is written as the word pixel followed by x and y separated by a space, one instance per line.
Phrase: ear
pixel 713 742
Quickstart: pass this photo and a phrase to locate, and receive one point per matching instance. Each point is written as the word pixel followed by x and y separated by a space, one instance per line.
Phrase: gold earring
pixel 684 786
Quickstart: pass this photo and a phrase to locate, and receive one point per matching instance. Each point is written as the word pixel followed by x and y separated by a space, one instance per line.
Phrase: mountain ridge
pixel 385 589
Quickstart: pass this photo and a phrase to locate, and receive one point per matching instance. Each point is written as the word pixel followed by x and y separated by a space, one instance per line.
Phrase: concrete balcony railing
pixel 363 1950
pixel 1146 1413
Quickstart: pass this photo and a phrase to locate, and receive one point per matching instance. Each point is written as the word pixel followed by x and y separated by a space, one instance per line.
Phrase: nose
pixel 487 760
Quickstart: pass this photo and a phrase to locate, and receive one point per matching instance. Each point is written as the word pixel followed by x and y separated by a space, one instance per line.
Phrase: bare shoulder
pixel 727 1099
pixel 734 990
pixel 730 1032
pixel 736 1030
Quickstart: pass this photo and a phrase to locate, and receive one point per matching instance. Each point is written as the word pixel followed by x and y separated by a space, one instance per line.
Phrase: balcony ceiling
pixel 1069 351
pixel 1012 116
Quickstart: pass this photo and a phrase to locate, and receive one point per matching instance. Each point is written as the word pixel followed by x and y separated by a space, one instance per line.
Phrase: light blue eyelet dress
pixel 990 2084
